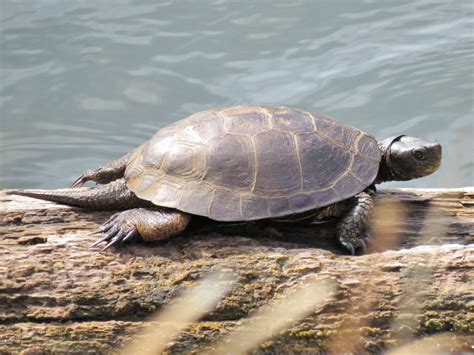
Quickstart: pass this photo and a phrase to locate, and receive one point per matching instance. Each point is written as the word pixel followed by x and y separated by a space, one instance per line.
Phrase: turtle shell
pixel 252 162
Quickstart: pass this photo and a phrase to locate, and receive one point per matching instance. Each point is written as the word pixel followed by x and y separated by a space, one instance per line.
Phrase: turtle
pixel 246 163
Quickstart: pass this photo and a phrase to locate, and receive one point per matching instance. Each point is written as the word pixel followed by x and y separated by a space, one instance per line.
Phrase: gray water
pixel 83 82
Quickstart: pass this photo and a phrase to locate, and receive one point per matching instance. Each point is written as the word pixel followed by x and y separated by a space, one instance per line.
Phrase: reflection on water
pixel 84 82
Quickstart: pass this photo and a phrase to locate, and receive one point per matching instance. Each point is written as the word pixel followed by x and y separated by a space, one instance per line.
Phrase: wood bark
pixel 58 295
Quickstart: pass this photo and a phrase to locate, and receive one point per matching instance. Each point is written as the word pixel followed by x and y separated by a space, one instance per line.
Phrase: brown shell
pixel 253 162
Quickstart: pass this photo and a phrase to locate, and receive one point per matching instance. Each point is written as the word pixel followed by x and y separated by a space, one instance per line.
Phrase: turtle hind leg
pixel 109 172
pixel 352 229
pixel 148 224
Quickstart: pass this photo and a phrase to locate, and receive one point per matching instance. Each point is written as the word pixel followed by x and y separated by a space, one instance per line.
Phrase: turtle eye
pixel 419 154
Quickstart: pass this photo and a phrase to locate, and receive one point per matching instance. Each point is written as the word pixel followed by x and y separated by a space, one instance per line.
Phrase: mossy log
pixel 58 295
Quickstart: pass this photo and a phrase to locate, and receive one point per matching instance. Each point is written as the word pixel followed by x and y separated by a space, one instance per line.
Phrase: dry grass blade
pixel 270 319
pixel 436 344
pixel 418 278
pixel 385 223
pixel 387 217
pixel 347 338
pixel 188 308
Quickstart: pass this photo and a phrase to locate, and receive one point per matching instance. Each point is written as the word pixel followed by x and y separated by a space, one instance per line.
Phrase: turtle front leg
pixel 149 224
pixel 352 229
pixel 109 172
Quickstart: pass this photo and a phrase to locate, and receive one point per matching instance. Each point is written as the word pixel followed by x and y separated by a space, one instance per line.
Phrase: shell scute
pixel 254 206
pixel 362 167
pixel 278 170
pixel 155 150
pixel 203 132
pixel 196 198
pixel 166 192
pixel 231 162
pixel 316 156
pixel 225 206
pixel 291 121
pixel 323 197
pixel 366 148
pixel 299 202
pixel 245 120
pixel 347 183
pixel 185 161
pixel 279 206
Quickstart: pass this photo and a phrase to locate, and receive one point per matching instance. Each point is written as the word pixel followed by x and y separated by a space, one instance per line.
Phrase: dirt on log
pixel 58 295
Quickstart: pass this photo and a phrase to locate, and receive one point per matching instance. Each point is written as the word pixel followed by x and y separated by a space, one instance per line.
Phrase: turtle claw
pixel 81 180
pixel 115 231
pixel 358 246
pixel 103 239
pixel 103 229
pixel 121 237
pixel 107 246
pixel 115 240
pixel 130 235
pixel 99 176
pixel 89 175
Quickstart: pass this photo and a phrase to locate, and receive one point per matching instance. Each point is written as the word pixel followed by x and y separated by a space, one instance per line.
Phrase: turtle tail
pixel 113 196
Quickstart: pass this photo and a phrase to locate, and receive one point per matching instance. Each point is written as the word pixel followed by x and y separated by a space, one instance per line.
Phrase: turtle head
pixel 406 158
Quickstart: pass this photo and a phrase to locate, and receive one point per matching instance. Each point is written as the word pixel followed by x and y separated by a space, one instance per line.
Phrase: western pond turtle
pixel 247 163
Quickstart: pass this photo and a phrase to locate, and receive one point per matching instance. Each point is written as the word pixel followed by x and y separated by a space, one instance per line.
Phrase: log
pixel 58 295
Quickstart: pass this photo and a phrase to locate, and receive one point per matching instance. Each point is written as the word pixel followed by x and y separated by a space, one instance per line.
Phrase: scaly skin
pixel 352 229
pixel 113 196
pixel 150 224
pixel 109 172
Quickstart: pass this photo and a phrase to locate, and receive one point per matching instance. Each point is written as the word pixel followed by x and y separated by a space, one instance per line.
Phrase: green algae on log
pixel 57 295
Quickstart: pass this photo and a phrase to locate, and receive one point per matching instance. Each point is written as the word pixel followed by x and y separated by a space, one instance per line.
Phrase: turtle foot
pixel 148 224
pixel 100 176
pixel 120 228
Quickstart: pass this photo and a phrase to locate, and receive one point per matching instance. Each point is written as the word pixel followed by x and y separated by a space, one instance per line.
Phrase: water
pixel 83 82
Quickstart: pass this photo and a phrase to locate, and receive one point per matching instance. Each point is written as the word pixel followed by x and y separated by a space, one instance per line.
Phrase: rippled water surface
pixel 83 82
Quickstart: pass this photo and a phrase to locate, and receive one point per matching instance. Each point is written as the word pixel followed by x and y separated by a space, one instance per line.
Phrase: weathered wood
pixel 58 295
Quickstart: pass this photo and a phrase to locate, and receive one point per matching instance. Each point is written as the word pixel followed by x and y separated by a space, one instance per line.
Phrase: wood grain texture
pixel 57 295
